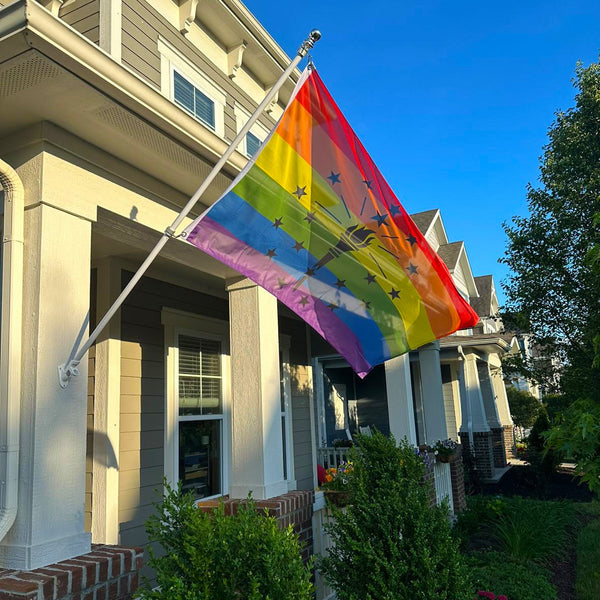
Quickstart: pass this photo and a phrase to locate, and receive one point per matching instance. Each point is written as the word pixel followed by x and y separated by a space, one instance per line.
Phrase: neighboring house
pixel 111 113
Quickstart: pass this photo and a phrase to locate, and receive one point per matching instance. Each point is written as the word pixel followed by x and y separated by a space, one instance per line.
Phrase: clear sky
pixel 452 100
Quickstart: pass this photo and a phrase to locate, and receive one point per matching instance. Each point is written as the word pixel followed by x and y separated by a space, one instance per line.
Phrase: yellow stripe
pixel 280 162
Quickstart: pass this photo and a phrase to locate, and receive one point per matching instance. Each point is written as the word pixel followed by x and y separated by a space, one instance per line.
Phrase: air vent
pixel 26 74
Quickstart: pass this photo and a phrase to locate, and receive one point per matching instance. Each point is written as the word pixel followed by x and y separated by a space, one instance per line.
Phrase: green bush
pixel 501 574
pixel 218 557
pixel 389 543
pixel 543 460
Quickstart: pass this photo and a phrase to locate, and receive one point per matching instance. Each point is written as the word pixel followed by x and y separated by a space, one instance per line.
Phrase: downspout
pixel 10 343
pixel 468 400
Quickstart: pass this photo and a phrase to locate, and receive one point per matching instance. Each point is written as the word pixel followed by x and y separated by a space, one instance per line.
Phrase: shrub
pixel 505 576
pixel 533 529
pixel 218 557
pixel 389 543
pixel 543 460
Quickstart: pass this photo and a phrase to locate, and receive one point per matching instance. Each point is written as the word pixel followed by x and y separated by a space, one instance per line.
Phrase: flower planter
pixel 339 498
pixel 444 458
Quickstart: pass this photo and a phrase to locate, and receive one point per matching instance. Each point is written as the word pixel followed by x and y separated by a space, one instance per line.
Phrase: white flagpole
pixel 66 371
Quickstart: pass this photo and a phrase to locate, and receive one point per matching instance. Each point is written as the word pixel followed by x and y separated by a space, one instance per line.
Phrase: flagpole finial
pixel 313 37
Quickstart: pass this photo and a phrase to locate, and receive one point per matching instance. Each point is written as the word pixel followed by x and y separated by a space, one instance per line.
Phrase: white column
pixel 107 408
pixel 489 395
pixel 399 399
pixel 433 399
pixel 257 445
pixel 50 518
pixel 473 412
pixel 499 388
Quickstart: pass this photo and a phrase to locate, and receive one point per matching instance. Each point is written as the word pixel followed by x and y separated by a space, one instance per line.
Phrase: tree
pixel 554 287
pixel 524 408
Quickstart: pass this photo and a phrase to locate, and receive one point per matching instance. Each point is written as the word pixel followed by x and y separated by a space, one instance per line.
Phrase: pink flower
pixel 502 597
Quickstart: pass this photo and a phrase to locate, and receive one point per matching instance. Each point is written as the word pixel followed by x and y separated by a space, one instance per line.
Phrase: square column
pixel 401 412
pixel 434 413
pixel 49 526
pixel 257 452
pixel 475 433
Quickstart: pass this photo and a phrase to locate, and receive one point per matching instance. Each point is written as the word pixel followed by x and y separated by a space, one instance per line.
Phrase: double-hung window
pixel 196 432
pixel 193 100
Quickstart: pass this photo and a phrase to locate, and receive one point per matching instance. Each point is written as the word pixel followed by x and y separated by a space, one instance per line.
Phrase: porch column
pixel 434 413
pixel 506 422
pixel 50 520
pixel 475 433
pixel 257 445
pixel 400 399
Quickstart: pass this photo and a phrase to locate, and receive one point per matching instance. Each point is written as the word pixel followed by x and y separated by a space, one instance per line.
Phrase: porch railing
pixel 332 457
pixel 322 542
pixel 443 483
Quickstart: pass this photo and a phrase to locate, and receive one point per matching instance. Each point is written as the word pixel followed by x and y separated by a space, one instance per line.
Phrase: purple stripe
pixel 217 241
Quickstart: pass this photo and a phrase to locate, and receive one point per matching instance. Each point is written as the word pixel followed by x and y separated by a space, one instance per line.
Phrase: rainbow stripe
pixel 312 220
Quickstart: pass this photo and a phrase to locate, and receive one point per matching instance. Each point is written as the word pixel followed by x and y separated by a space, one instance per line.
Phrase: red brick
pixel 45 582
pixel 61 580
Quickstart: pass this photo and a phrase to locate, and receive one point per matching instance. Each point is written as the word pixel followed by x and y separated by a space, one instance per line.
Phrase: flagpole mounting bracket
pixel 65 372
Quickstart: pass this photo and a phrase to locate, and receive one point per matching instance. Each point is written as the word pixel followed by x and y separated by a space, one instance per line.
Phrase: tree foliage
pixel 524 408
pixel 554 289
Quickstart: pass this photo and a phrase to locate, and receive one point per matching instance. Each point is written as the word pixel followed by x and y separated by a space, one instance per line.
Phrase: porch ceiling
pixel 129 243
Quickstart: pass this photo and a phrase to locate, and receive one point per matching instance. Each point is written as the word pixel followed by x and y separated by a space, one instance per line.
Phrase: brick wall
pixel 498 448
pixel 293 508
pixel 509 441
pixel 457 475
pixel 106 573
pixel 483 454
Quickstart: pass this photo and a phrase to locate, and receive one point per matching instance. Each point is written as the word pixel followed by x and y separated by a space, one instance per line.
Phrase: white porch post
pixel 257 452
pixel 499 388
pixel 399 399
pixel 50 519
pixel 473 412
pixel 107 410
pixel 433 399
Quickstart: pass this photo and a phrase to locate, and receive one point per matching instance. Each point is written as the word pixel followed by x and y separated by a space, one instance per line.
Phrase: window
pixel 196 432
pixel 193 100
pixel 184 83
pixel 252 144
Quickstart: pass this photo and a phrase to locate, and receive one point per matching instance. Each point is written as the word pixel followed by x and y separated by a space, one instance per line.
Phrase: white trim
pixel 284 348
pixel 177 323
pixel 258 129
pixel 171 60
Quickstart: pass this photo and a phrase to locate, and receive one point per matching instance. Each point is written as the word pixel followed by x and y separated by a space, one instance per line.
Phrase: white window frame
pixel 241 118
pixel 284 349
pixel 170 61
pixel 178 323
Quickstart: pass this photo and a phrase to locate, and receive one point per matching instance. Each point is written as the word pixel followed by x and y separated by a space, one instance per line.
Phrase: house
pixel 112 112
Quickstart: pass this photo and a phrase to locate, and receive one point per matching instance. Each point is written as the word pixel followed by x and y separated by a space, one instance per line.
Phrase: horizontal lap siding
pixel 141 452
pixel 83 16
pixel 142 26
pixel 301 430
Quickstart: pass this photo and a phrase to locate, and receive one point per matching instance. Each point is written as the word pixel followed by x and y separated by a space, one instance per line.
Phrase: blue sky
pixel 452 100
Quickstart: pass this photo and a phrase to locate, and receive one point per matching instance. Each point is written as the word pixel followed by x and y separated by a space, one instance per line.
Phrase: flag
pixel 312 220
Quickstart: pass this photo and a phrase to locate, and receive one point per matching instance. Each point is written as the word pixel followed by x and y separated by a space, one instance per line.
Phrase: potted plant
pixel 336 484
pixel 444 450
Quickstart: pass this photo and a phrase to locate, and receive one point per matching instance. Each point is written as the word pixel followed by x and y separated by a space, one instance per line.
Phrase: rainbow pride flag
pixel 312 220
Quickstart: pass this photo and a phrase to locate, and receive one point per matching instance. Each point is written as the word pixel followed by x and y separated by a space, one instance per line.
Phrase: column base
pixel 499 448
pixel 14 556
pixel 482 454
pixel 259 492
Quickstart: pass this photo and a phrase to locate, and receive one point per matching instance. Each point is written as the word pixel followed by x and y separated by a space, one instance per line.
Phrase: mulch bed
pixel 522 481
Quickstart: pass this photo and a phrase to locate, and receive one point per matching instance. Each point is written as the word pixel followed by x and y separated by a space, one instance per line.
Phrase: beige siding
pixel 301 432
pixel 142 25
pixel 141 452
pixel 84 16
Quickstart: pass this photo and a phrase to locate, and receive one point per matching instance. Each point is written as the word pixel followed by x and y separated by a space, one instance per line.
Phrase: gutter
pixel 10 344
